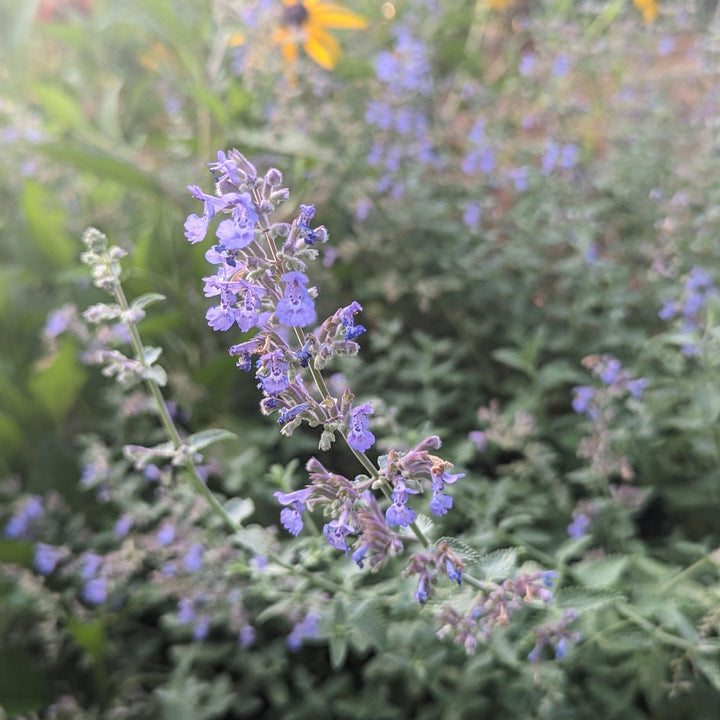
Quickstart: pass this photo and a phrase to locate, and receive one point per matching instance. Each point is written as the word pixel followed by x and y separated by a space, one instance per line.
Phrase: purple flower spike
pixel 359 437
pixel 296 309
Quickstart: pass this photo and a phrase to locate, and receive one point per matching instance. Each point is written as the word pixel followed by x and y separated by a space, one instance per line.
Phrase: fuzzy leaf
pixel 499 564
pixel 143 301
pixel 201 440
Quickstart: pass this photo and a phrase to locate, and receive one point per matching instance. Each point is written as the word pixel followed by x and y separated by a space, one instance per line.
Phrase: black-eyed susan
pixel 306 23
pixel 648 8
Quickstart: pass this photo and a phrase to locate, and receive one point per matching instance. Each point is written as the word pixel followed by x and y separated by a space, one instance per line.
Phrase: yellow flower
pixel 305 23
pixel 648 8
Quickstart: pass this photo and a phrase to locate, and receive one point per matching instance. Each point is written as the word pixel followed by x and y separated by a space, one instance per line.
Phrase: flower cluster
pixel 698 289
pixel 493 606
pixel 262 287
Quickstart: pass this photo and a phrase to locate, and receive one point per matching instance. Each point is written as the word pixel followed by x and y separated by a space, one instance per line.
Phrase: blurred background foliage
pixel 510 189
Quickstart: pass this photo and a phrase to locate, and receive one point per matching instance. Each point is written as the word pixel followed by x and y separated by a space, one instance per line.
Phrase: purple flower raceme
pixel 260 284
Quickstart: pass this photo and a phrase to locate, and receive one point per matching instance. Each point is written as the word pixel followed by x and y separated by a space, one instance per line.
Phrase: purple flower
pixel 421 594
pixel 165 534
pixel 579 526
pixel 583 398
pixel 196 228
pixel 291 516
pixel 359 437
pixel 398 513
pixel 237 233
pixel 611 371
pixel 337 530
pixel 453 572
pixel 296 308
pixel 95 591
pixel 347 318
pixel 19 524
pixel 186 611
pixel 45 558
pixel 561 65
pixel 440 503
pixel 472 215
pixel 247 314
pixel 668 310
pixel 637 387
pixel 272 373
pixel 123 525
pixel 288 414
pixel 193 559
pixel 359 556
pixel 202 627
pixel 306 628
pixel 307 213
pixel 478 438
pixel 527 63
pixel 91 565
pixel 246 637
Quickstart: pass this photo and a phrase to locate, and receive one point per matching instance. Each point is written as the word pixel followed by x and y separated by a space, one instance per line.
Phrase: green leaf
pixel 582 599
pixel 46 218
pixel 601 573
pixel 201 440
pixel 369 619
pixel 710 668
pixel 499 564
pixel 90 635
pixel 58 385
pixel 59 105
pixel 512 358
pixel 102 164
pixel 142 301
pixel 22 686
pixel 19 552
pixel 239 509
pixel 338 651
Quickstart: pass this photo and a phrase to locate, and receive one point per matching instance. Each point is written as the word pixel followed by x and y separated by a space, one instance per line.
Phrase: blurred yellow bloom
pixel 305 23
pixel 499 4
pixel 648 8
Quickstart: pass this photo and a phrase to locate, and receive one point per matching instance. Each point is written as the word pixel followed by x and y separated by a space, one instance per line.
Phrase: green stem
pixel 164 413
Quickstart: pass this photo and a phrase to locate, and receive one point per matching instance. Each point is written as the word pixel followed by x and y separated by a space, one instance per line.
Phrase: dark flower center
pixel 296 14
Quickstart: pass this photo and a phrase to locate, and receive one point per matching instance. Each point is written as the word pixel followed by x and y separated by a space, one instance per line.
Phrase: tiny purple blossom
pixel 202 627
pixel 296 308
pixel 637 387
pixel 359 437
pixel 186 611
pixel 291 517
pixel 95 591
pixel 196 228
pixel 193 559
pixel 46 558
pixel 165 534
pixel 273 379
pixel 336 531
pixel 246 636
pixel 579 526
pixel 421 594
pixel 123 525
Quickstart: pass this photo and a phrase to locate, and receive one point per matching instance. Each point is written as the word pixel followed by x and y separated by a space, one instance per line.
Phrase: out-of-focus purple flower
pixel 561 66
pixel 196 228
pixel 202 627
pixel 579 525
pixel 479 439
pixel 306 628
pixel 582 401
pixel 165 534
pixel 193 559
pixel 18 526
pixel 46 558
pixel 472 215
pixel 186 610
pixel 91 565
pixel 123 525
pixel 611 371
pixel 669 310
pixel 527 63
pixel 637 387
pixel 95 591
pixel 246 637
